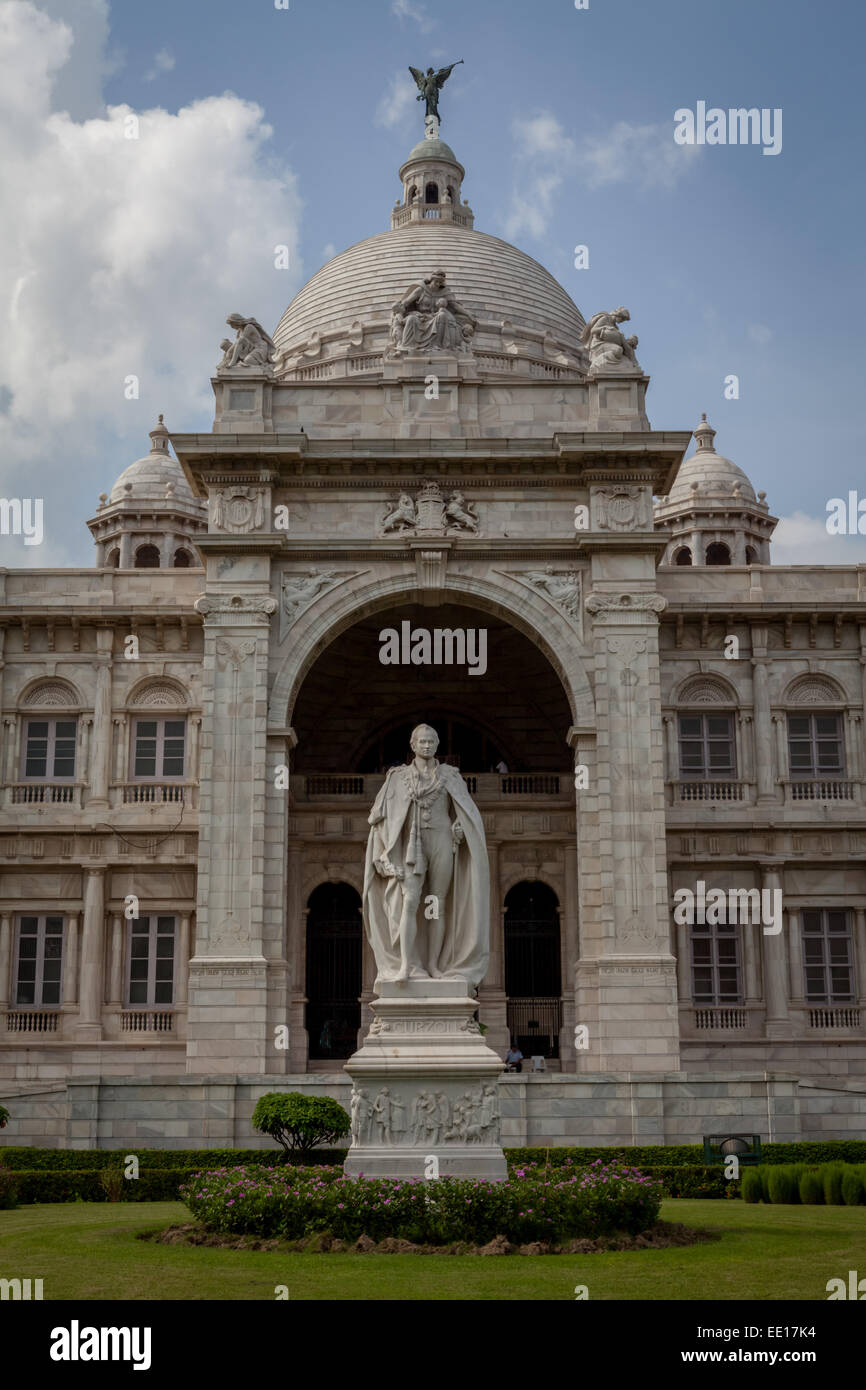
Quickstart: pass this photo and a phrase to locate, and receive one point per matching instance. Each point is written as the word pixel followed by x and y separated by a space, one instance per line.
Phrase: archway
pixel 533 968
pixel 334 937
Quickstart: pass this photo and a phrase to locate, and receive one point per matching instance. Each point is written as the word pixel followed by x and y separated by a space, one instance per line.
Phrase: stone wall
pixel 537 1110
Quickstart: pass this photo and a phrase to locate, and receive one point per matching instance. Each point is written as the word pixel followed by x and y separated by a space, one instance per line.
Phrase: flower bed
pixel 533 1204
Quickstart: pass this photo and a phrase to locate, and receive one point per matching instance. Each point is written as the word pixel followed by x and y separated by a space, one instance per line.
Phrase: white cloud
pixel 800 539
pixel 163 61
pixel 328 252
pixel 119 257
pixel 404 9
pixel 545 156
pixel 759 333
pixel 395 107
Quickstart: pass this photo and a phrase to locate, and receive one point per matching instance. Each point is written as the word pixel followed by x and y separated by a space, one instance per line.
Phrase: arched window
pixel 334 936
pixel 706 737
pixel 683 556
pixel 112 559
pixel 413 194
pixel 431 193
pixel 147 557
pixel 50 735
pixel 182 560
pixel 751 555
pixel 718 554
pixel 533 969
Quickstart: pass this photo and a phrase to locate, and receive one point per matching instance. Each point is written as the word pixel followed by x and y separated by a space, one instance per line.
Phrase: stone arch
pixel 706 690
pixel 814 690
pixel 326 618
pixel 49 693
pixel 157 692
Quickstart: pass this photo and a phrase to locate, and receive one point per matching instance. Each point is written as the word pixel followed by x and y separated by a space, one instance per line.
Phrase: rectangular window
pixel 827 966
pixel 49 750
pixel 707 748
pixel 151 963
pixel 39 961
pixel 716 964
pixel 815 747
pixel 159 749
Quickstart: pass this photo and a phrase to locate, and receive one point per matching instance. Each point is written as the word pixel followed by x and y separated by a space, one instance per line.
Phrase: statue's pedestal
pixel 425 1088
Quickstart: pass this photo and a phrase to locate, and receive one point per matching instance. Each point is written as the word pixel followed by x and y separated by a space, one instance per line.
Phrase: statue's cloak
pixel 466 949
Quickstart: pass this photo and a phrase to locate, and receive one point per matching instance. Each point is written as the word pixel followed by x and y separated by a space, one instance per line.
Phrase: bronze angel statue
pixel 430 85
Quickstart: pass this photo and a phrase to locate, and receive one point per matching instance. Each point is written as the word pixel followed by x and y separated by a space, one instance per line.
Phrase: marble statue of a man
pixel 426 880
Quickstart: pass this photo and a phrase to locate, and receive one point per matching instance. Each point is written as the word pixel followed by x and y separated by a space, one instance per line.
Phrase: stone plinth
pixel 425 1087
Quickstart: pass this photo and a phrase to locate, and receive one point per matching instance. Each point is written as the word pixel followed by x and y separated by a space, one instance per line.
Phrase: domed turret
pixel 713 512
pixel 150 519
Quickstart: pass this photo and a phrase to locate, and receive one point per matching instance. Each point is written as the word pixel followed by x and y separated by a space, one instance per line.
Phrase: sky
pixel 263 124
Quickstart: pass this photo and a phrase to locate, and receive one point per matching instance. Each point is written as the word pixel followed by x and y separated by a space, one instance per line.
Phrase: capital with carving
pixel 625 609
pixel 235 610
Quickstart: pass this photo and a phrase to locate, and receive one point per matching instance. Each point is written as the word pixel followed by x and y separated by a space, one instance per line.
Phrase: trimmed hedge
pixel 153 1185
pixel 56 1159
pixel 661 1155
pixel 640 1156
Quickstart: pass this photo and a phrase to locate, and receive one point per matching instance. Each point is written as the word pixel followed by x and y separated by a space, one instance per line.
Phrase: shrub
pixel 299 1122
pixel 811 1188
pixel 4 1117
pixel 853 1191
pixel 113 1182
pixel 751 1186
pixel 533 1206
pixel 833 1174
pixel 8 1188
pixel 782 1185
pixel 192 1159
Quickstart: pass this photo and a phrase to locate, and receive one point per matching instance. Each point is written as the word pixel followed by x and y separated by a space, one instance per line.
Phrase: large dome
pixel 488 276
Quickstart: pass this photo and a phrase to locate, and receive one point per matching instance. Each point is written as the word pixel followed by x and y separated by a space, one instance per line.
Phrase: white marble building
pixel 195 728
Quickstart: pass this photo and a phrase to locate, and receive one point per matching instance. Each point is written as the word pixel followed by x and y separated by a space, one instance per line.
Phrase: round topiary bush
pixel 833 1174
pixel 751 1186
pixel 811 1188
pixel 782 1185
pixel 300 1122
pixel 853 1191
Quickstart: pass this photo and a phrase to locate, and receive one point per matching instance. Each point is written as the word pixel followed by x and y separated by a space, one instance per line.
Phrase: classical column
pixel 763 725
pixel 795 955
pixel 89 1025
pixel 70 961
pixel 10 769
pixel 100 760
pixel 775 958
pixel 853 764
pixel 684 964
pixel 181 961
pixel 5 960
pixel 125 551
pixel 120 747
pixel 780 729
pixel 194 748
pixel 672 747
pixel 492 991
pixel 751 963
pixel 745 752
pixel 115 988
pixel 860 953
pixel 296 953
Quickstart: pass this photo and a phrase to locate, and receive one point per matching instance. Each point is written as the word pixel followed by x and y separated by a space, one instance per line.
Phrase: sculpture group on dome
pixel 252 347
pixel 607 346
pixel 429 317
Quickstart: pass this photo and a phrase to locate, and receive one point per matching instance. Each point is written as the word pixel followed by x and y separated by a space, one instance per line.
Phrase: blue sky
pixel 729 261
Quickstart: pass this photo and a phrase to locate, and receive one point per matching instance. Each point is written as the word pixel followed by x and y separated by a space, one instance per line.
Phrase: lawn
pixel 88 1250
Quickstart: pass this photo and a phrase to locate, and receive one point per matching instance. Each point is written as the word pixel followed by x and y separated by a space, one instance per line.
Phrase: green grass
pixel 88 1250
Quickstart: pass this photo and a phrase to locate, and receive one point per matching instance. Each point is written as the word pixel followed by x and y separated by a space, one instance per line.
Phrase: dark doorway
pixel 533 970
pixel 334 936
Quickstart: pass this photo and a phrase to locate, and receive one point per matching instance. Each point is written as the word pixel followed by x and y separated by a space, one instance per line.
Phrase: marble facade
pixel 582 513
